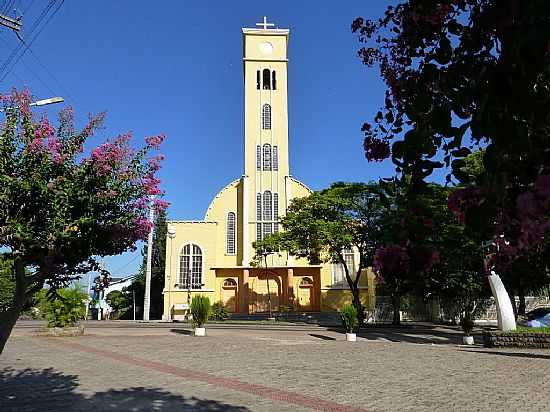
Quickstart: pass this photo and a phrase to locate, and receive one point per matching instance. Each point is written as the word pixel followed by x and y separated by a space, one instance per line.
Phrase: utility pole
pixel 10 23
pixel 147 297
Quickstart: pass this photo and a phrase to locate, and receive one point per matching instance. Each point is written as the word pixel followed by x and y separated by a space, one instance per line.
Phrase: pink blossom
pixel 94 123
pixel 23 100
pixel 463 199
pixel 44 129
pixel 36 146
pixel 391 259
pixel 142 227
pixel 151 185
pixel 111 155
pixel 160 205
pixel 155 141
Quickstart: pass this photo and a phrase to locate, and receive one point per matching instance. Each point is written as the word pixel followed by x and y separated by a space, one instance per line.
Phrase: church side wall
pixel 204 235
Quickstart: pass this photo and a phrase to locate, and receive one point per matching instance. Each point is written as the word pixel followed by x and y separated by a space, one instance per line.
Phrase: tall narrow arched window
pixel 231 219
pixel 258 79
pixel 275 206
pixel 275 158
pixel 266 117
pixel 275 212
pixel 258 157
pixel 266 77
pixel 191 259
pixel 259 206
pixel 267 156
pixel 268 206
pixel 273 81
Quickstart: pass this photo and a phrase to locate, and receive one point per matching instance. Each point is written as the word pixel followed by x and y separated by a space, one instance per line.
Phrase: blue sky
pixel 175 67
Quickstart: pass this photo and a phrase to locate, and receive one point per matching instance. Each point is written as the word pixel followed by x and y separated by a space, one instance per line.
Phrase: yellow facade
pixel 213 257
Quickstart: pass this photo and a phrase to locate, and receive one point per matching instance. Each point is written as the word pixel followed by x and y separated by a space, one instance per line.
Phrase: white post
pixel 147 297
pixel 505 312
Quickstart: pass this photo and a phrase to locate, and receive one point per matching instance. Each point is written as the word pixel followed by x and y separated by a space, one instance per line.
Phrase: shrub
pixel 119 302
pixel 219 312
pixel 348 314
pixel 467 325
pixel 200 309
pixel 65 309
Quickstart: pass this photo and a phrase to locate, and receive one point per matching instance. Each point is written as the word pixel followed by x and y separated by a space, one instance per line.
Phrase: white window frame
pixel 181 282
pixel 231 238
pixel 266 116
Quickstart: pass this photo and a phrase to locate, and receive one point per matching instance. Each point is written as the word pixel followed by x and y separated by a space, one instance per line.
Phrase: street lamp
pixel 171 232
pixel 51 100
pixel 44 102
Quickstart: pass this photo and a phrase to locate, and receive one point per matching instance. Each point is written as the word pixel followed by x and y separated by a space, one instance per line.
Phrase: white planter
pixel 468 340
pixel 200 332
pixel 351 337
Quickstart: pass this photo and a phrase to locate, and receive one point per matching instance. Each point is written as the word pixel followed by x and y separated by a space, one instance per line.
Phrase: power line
pixel 28 67
pixel 17 54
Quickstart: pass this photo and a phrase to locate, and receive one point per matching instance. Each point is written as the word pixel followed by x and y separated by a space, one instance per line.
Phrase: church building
pixel 213 257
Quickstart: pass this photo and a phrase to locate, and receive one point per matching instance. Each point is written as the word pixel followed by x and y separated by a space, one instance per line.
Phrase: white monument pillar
pixel 505 311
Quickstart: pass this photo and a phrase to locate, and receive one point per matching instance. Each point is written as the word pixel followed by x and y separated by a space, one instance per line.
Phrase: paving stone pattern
pixel 258 369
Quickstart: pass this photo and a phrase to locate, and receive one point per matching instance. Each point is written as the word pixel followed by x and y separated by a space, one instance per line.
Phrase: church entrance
pixel 259 299
pixel 229 295
pixel 305 291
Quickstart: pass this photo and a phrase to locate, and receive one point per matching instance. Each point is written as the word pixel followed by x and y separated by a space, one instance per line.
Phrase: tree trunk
pixel 9 317
pixel 522 305
pixel 396 303
pixel 512 295
pixel 358 305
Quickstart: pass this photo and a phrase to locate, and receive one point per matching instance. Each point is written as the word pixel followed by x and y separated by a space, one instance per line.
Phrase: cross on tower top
pixel 265 24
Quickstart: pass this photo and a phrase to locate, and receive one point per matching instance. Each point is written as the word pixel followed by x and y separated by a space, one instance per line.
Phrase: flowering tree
pixel 61 206
pixel 462 74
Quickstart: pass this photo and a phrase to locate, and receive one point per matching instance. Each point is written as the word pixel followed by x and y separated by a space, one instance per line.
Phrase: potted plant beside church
pixel 348 314
pixel 200 310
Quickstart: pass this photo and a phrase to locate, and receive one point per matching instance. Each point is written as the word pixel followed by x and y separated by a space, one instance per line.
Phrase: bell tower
pixel 266 169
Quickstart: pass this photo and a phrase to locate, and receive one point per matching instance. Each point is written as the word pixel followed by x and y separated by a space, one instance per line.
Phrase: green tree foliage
pixel 320 226
pixel 157 270
pixel 462 74
pixel 219 312
pixel 7 285
pixel 200 309
pixel 61 206
pixel 119 302
pixel 65 309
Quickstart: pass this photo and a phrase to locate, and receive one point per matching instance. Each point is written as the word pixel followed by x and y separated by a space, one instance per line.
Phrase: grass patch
pixel 526 329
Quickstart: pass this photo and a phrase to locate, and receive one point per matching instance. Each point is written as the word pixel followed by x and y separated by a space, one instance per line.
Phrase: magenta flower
pixel 155 141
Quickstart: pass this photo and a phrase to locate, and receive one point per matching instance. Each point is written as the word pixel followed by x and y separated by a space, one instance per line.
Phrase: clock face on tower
pixel 266 48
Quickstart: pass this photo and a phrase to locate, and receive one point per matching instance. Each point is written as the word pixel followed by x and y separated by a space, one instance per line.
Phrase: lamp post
pixel 171 232
pixel 44 102
pixel 147 297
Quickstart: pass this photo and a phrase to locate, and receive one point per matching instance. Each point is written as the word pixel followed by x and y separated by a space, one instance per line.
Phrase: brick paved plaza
pixel 160 367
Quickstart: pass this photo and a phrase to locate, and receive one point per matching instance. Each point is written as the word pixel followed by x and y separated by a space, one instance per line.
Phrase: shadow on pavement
pixel 511 354
pixel 323 337
pixel 49 390
pixel 182 331
pixel 423 334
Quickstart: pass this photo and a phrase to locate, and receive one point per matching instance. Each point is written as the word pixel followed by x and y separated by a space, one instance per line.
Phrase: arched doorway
pixel 229 294
pixel 259 296
pixel 305 292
